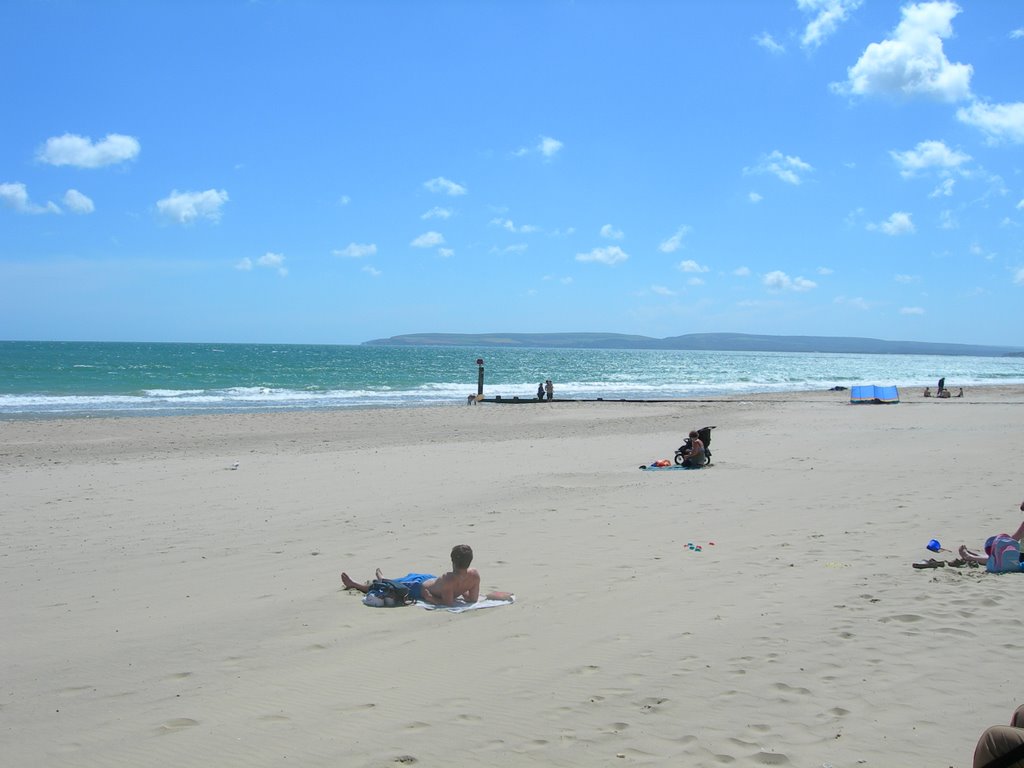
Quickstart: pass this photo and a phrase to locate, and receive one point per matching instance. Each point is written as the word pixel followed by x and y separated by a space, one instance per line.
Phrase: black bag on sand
pixel 391 593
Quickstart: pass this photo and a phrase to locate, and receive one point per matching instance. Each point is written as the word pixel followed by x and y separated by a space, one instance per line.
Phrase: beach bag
pixel 385 593
pixel 1005 555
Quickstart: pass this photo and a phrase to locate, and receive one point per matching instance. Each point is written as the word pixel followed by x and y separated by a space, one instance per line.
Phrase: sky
pixel 335 172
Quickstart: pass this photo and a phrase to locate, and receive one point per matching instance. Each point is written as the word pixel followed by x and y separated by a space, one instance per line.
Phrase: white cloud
pixel 15 195
pixel 911 62
pixel 1020 205
pixel 695 281
pixel 945 189
pixel 1017 34
pixel 976 249
pixel 824 271
pixel 899 223
pixel 742 271
pixel 855 301
pixel 441 185
pixel 674 243
pixel 268 260
pixel 911 311
pixel 371 271
pixel 511 227
pixel 906 279
pixel 1018 278
pixel 999 122
pixel 610 232
pixel 445 253
pixel 610 255
pixel 273 261
pixel 692 266
pixel 947 220
pixel 81 152
pixel 344 200
pixel 754 197
pixel 780 281
pixel 356 250
pixel 77 202
pixel 788 168
pixel 661 290
pixel 926 155
pixel 437 213
pixel 766 41
pixel 186 207
pixel 549 147
pixel 428 240
pixel 829 15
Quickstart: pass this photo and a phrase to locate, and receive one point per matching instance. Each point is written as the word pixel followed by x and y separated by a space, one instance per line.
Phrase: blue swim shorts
pixel 414 581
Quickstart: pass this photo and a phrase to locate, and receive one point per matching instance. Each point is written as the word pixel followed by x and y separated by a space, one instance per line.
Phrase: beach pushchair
pixel 704 433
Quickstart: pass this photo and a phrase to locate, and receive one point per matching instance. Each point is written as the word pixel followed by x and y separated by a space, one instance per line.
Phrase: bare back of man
pixel 446 589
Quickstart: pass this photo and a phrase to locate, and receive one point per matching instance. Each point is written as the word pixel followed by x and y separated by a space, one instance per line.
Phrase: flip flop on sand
pixel 958 563
pixel 929 564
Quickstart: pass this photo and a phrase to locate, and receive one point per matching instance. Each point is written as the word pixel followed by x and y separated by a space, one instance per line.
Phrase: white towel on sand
pixel 460 606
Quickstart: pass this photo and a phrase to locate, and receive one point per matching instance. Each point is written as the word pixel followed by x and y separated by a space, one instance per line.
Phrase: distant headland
pixel 719 342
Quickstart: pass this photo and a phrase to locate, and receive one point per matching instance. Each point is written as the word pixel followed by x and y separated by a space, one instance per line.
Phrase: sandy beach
pixel 162 608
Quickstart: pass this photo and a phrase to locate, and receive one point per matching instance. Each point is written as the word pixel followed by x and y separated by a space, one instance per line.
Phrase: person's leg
pixel 1017 721
pixel 351 584
pixel 967 554
pixel 996 742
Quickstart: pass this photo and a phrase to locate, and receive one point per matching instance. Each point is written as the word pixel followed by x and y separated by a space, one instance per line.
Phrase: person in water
pixel 461 581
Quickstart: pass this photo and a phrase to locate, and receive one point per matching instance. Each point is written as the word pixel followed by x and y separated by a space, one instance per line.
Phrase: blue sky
pixel 333 172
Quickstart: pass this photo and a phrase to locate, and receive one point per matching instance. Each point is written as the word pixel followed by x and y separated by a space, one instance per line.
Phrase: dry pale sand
pixel 161 609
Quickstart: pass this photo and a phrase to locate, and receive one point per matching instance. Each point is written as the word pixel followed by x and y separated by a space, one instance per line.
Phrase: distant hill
pixel 723 342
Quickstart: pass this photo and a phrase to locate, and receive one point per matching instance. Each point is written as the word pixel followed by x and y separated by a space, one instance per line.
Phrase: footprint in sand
pixel 616 728
pixel 177 724
pixel 789 688
pixel 906 618
pixel 650 704
pixel 770 758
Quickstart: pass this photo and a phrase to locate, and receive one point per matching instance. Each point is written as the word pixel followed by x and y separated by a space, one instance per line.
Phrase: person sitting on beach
pixel 960 393
pixel 695 456
pixel 943 393
pixel 462 581
pixel 927 392
pixel 1002 745
pixel 1002 552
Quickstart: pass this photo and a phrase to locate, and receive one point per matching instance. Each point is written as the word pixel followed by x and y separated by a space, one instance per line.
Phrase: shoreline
pixel 907 395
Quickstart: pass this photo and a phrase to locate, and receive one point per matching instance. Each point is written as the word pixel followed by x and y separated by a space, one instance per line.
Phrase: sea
pixel 83 379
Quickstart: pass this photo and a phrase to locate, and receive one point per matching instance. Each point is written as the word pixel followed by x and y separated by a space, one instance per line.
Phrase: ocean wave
pixel 344 377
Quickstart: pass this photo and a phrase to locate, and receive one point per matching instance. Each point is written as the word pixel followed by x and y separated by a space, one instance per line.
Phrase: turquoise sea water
pixel 43 379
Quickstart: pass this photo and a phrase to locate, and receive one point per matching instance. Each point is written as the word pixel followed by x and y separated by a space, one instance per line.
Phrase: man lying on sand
pixel 462 581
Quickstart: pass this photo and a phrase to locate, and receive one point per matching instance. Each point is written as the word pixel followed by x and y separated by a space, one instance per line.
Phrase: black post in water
pixel 480 377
